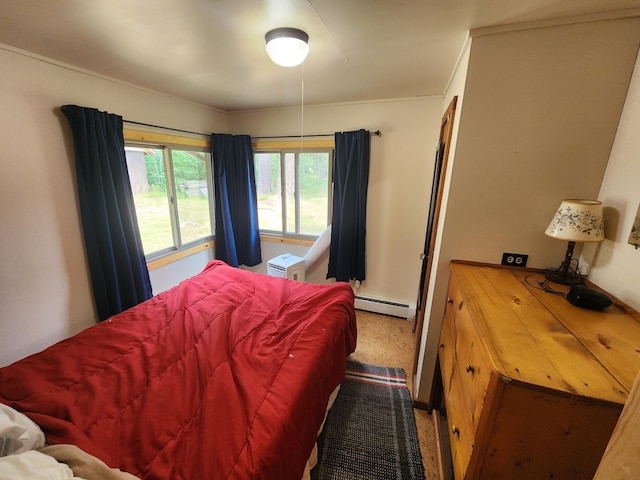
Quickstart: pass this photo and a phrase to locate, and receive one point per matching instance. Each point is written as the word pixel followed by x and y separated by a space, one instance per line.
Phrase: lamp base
pixel 566 274
pixel 564 277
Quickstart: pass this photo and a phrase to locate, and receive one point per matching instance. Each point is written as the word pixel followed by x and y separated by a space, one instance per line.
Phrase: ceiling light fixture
pixel 287 46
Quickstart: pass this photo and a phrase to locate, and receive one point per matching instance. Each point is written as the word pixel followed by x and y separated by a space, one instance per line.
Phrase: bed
pixel 226 376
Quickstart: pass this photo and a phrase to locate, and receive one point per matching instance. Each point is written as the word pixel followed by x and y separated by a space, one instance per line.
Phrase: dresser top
pixel 539 338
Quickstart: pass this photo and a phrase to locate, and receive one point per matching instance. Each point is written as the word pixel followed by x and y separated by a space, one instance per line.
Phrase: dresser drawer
pixel 473 364
pixel 447 344
pixel 461 429
pixel 465 375
pixel 446 351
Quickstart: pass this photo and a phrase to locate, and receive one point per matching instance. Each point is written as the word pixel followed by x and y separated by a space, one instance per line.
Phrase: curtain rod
pixel 376 133
pixel 166 128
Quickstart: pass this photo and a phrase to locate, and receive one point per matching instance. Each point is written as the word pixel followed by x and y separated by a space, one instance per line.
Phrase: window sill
pixel 179 255
pixel 286 240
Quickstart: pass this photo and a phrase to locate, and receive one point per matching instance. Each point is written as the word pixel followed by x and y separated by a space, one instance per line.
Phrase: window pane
pixel 268 188
pixel 148 183
pixel 192 195
pixel 314 192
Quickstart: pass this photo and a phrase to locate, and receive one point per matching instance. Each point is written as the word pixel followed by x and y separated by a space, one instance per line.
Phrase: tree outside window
pixel 293 191
pixel 171 193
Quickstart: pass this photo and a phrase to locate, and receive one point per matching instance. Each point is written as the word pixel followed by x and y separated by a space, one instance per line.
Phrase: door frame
pixel 446 131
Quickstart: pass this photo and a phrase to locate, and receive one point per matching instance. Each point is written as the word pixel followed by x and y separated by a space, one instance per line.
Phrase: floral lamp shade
pixel 634 238
pixel 574 221
pixel 578 221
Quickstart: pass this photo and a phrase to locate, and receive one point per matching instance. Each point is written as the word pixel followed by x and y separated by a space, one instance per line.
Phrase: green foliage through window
pixel 300 205
pixel 171 194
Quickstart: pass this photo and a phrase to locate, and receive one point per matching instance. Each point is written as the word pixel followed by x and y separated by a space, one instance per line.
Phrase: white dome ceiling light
pixel 287 46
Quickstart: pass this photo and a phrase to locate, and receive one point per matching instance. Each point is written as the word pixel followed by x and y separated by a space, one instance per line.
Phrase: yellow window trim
pixel 163 138
pixel 291 144
pixel 179 255
pixel 286 240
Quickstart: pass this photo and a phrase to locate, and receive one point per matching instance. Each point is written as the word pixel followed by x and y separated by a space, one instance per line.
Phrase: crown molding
pixel 556 22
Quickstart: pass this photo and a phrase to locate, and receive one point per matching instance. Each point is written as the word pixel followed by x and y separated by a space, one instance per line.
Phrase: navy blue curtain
pixel 118 269
pixel 234 179
pixel 349 215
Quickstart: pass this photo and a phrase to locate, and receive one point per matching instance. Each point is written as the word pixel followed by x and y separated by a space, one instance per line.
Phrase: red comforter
pixel 225 376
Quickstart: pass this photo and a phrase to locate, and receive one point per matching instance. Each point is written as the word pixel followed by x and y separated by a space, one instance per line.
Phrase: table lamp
pixel 574 221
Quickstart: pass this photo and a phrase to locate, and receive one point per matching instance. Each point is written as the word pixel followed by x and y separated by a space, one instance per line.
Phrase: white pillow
pixel 18 433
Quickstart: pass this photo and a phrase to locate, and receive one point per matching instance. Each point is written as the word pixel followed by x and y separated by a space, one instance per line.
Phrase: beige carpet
pixel 389 341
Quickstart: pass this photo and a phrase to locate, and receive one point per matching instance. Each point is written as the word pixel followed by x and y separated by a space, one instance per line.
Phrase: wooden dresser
pixel 533 385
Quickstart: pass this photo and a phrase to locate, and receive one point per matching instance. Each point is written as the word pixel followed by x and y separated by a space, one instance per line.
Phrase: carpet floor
pixel 370 432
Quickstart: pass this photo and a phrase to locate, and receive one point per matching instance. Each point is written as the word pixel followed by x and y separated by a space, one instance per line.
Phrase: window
pixel 171 188
pixel 293 190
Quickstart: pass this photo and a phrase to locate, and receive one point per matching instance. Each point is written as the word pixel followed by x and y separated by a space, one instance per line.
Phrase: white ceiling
pixel 212 51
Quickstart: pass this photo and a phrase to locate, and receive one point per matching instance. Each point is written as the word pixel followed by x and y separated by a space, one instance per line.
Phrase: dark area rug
pixel 370 432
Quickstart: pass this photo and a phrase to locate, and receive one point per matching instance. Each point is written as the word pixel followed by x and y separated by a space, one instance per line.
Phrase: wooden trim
pixel 293 144
pixel 446 132
pixel 179 255
pixel 163 138
pixel 421 405
pixel 443 447
pixel 286 240
pixel 435 416
pixel 620 459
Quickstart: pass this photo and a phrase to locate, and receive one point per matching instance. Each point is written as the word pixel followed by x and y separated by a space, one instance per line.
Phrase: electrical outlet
pixel 514 259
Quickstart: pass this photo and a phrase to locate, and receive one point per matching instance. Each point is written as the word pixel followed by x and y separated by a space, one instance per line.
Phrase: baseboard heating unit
pixel 385 307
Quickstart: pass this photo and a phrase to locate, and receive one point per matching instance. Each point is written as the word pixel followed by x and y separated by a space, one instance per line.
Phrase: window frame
pixel 169 143
pixel 203 141
pixel 297 147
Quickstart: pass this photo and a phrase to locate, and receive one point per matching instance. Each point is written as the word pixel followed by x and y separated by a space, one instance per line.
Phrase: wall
pixel 170 275
pixel 615 265
pixel 399 182
pixel 437 287
pixel 44 284
pixel 540 112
